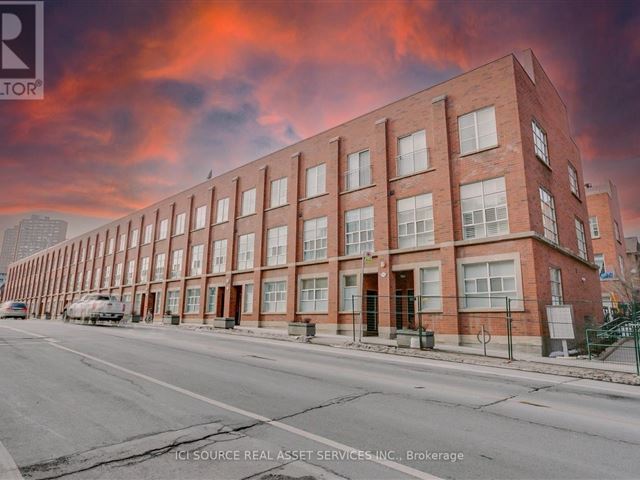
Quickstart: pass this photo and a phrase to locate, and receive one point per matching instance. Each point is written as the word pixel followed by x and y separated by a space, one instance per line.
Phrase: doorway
pixel 151 303
pixel 236 306
pixel 404 300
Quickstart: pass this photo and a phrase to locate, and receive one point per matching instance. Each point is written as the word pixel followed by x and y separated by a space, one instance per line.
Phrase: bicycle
pixel 148 318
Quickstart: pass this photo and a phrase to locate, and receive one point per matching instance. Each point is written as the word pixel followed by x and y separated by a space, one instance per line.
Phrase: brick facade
pixel 517 89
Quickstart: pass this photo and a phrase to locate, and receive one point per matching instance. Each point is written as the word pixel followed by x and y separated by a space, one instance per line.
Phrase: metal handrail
pixel 356 172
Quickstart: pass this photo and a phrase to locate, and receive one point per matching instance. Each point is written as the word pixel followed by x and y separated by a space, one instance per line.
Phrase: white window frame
pixel 602 265
pixel 430 302
pixel 313 294
pixel 574 185
pixel 416 159
pixel 97 278
pixel 131 270
pixel 107 276
pixel 246 247
pixel 248 202
pixel 197 256
pixel 219 257
pixel 112 246
pixel 222 210
pixel 192 302
pixel 549 218
pixel 278 193
pixel 274 301
pixel 540 142
pixel 474 127
pixel 516 303
pixel 357 247
pixel 144 269
pixel 277 245
pixel 133 242
pixel 159 267
pixel 212 306
pixel 247 298
pixel 491 217
pixel 177 257
pixel 555 281
pixel 581 239
pixel 164 229
pixel 594 227
pixel 172 303
pixel 180 224
pixel 148 234
pixel 417 228
pixel 316 180
pixel 314 238
pixel 123 242
pixel 201 217
pixel 358 172
pixel 616 232
pixel 347 292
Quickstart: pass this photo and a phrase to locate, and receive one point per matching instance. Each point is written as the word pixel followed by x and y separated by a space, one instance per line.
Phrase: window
pixel 107 276
pixel 197 251
pixel 219 256
pixel 201 217
pixel 173 297
pixel 573 181
pixel 91 251
pixel 179 226
pixel 157 302
pixel 131 268
pixel 158 271
pixel 477 130
pixel 412 153
pixel 540 142
pixel 144 269
pixel 415 221
pixel 593 226
pixel 87 280
pixel 314 294
pixel 350 293
pixel 582 241
pixel 548 216
pixel 484 209
pixel 486 284
pixel 277 246
pixel 316 180
pixel 118 275
pixel 96 278
pixel 314 239
pixel 556 286
pixel 359 230
pixel 101 249
pixel 598 259
pixel 616 230
pixel 247 298
pixel 358 170
pixel 176 263
pixel 212 300
pixel 164 229
pixel 148 234
pixel 278 192
pixel 248 202
pixel 430 293
pixel 274 298
pixel 193 300
pixel 621 267
pixel 133 243
pixel 79 277
pixel 245 251
pixel 123 242
pixel 137 303
pixel 112 246
pixel 222 211
pixel 83 254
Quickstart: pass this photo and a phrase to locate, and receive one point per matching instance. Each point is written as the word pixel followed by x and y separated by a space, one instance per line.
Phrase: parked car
pixel 95 306
pixel 12 309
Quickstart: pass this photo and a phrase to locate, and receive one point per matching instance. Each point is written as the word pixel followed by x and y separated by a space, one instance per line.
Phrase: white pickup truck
pixel 94 307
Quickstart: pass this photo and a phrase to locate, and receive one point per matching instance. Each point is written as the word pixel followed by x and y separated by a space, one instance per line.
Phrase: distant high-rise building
pixel 30 236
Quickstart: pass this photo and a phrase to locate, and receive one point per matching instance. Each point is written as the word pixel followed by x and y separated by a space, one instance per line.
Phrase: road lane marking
pixel 8 468
pixel 268 421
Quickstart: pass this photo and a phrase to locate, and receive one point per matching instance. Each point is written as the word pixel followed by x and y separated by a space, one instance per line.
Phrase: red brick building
pixel 470 191
pixel 609 248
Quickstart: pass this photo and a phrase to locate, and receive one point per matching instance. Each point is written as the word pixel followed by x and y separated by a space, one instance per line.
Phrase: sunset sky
pixel 143 98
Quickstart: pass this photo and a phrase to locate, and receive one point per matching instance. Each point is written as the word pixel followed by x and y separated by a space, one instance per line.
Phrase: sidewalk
pixel 570 367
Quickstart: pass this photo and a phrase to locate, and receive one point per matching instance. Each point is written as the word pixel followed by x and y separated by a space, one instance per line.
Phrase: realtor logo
pixel 21 50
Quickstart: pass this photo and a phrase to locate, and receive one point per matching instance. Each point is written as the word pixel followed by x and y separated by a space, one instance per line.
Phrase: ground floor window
pixel 430 291
pixel 247 298
pixel 172 301
pixel 274 298
pixel 556 286
pixel 314 294
pixel 193 300
pixel 487 284
pixel 350 292
pixel 212 297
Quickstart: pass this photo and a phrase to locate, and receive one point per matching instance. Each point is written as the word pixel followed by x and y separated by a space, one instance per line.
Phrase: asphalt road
pixel 84 402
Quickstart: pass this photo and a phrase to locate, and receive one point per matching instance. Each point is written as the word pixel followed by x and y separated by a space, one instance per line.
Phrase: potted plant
pixel 170 319
pixel 224 322
pixel 302 327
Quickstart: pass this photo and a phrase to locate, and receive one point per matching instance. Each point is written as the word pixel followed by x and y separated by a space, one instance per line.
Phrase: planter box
pixel 136 318
pixel 224 322
pixel 302 329
pixel 171 319
pixel 411 339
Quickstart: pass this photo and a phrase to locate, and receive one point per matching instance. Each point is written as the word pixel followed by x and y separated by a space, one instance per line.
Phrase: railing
pixel 415 161
pixel 356 178
pixel 617 343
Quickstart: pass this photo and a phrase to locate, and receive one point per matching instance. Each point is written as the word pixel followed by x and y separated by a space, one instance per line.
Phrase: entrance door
pixel 399 300
pixel 371 305
pixel 237 307
pixel 151 303
pixel 411 309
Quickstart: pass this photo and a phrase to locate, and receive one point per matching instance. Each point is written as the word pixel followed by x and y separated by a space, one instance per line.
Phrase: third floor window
pixel 358 170
pixel 316 180
pixel 477 130
pixel 412 153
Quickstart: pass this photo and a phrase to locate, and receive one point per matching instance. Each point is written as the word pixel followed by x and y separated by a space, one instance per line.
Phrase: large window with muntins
pixel 555 276
pixel 222 211
pixel 359 230
pixel 549 222
pixel 277 246
pixel 412 153
pixel 314 294
pixel 274 297
pixel 358 172
pixel 540 142
pixel 245 251
pixel 484 209
pixel 197 252
pixel 278 192
pixel 488 284
pixel 316 180
pixel 430 289
pixel 248 202
pixel 201 217
pixel 219 256
pixel 415 221
pixel 315 239
pixel 176 263
pixel 477 130
pixel 581 238
pixel 193 300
